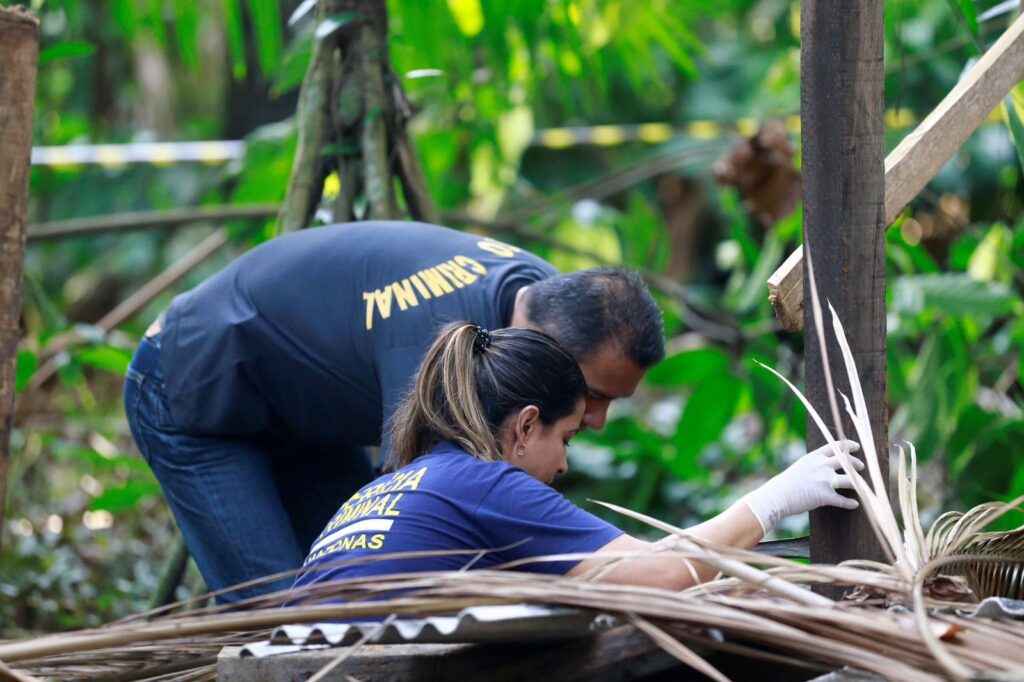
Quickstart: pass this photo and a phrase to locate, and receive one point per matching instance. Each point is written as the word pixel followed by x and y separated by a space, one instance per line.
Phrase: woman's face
pixel 538 448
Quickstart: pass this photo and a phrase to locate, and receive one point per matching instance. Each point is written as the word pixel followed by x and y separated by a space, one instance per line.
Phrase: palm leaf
pixel 1002 573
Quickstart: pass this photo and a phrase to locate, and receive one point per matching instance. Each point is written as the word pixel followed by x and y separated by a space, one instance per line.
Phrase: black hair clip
pixel 482 340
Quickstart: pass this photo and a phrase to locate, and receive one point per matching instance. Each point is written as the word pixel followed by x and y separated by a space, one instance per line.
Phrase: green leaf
pixel 969 13
pixel 28 363
pixel 1016 126
pixel 328 26
pixel 106 358
pixel 66 50
pixel 954 293
pixel 990 258
pixel 304 8
pixel 186 27
pixel 294 64
pixel 236 37
pixel 154 17
pixel 708 411
pixel 123 12
pixel 266 20
pixel 688 368
pixel 125 497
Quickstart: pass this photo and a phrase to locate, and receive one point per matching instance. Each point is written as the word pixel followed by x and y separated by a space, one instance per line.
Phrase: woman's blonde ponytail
pixel 471 380
pixel 444 404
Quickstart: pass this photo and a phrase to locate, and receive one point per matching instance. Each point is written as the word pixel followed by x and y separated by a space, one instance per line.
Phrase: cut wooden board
pixel 921 155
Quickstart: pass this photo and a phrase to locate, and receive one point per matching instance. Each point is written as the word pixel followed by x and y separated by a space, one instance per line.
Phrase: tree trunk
pixel 19 55
pixel 844 221
pixel 352 105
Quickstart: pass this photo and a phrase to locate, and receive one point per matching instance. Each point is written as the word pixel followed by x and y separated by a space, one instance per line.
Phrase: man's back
pixel 314 335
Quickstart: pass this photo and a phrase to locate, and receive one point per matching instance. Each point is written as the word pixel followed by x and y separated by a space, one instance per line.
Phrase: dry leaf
pixel 761 168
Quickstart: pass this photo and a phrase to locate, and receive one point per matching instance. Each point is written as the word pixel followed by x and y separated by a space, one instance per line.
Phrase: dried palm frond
pixel 883 642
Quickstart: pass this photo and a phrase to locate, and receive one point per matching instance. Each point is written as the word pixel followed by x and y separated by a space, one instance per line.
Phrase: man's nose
pixel 595 416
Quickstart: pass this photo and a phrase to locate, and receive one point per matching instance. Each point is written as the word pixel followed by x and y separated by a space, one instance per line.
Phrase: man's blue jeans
pixel 247 509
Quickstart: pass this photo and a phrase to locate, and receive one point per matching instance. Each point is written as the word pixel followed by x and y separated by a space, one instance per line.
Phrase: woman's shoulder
pixel 456 466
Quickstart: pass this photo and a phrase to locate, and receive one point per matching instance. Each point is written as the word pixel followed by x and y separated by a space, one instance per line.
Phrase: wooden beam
pixel 924 152
pixel 19 57
pixel 842 129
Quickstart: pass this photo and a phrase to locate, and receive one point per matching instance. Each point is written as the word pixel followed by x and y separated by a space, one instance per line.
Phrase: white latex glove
pixel 809 483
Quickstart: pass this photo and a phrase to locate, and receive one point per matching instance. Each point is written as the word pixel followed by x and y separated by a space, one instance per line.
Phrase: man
pixel 253 398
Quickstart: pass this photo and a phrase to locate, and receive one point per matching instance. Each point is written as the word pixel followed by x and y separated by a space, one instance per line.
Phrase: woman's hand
pixel 810 482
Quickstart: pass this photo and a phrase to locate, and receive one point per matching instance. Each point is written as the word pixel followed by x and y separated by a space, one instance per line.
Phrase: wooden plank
pixel 842 129
pixel 921 154
pixel 619 654
pixel 19 57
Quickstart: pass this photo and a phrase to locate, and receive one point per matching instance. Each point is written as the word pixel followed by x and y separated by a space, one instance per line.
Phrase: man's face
pixel 610 375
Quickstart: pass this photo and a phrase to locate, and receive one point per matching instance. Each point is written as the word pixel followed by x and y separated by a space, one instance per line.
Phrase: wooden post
pixel 841 98
pixel 19 55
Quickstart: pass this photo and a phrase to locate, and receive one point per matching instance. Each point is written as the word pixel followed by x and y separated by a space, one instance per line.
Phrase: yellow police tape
pixel 171 153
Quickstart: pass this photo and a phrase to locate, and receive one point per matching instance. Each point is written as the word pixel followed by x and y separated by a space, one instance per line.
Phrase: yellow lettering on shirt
pixel 391 511
pixel 368 297
pixel 379 506
pixel 462 273
pixel 414 481
pixel 498 248
pixel 419 286
pixel 380 500
pixel 439 286
pixel 446 270
pixel 383 299
pixel 404 296
pixel 459 272
pixel 471 263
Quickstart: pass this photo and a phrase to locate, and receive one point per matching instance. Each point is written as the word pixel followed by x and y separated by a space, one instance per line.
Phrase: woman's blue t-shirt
pixel 450 500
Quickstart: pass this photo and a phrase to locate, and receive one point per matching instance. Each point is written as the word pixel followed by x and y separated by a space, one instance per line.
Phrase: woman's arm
pixel 811 482
pixel 736 526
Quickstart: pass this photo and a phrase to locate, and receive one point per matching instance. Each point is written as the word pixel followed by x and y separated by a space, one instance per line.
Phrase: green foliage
pixel 107 358
pixel 66 50
pixel 706 425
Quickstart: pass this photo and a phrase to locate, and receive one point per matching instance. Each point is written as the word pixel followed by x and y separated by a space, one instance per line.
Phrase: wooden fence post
pixel 19 57
pixel 841 98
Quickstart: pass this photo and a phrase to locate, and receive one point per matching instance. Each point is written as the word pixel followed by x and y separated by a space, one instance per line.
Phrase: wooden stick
pixel 126 222
pixel 19 55
pixel 921 155
pixel 134 303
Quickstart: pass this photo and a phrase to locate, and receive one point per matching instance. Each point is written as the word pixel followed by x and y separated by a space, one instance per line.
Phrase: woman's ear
pixel 527 421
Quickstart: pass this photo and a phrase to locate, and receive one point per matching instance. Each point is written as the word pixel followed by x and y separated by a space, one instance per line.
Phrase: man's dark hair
pixel 584 310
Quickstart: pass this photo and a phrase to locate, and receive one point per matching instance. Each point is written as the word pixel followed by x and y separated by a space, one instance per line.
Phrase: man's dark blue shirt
pixel 314 336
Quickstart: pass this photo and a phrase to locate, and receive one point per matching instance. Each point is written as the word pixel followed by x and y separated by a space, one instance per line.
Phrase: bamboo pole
pixel 19 57
pixel 921 155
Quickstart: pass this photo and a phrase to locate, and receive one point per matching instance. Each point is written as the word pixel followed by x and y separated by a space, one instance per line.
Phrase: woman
pixel 478 442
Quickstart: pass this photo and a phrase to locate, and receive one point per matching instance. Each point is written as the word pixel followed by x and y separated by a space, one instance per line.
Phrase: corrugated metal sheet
pixel 476 625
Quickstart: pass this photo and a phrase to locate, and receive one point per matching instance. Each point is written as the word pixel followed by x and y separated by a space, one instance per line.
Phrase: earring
pixel 521 449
